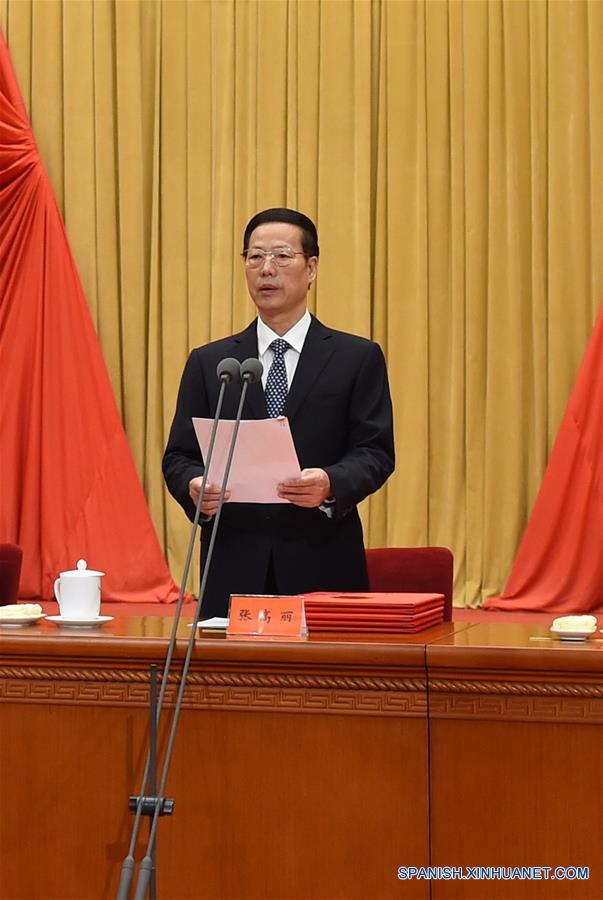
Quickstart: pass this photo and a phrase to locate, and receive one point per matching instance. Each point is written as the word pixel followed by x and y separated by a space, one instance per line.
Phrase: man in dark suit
pixel 332 387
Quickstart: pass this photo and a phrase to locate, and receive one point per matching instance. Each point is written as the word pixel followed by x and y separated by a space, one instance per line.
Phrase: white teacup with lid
pixel 78 592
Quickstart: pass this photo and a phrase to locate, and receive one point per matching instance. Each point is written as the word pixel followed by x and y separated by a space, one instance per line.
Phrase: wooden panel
pixel 65 774
pixel 266 805
pixel 290 807
pixel 516 794
pixel 516 760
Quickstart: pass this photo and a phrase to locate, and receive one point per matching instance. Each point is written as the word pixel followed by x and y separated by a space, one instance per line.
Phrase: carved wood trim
pixel 540 689
pixel 517 709
pixel 248 679
pixel 517 701
pixel 349 694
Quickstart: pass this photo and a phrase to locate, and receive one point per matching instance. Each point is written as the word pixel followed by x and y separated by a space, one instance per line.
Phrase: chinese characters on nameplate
pixel 266 615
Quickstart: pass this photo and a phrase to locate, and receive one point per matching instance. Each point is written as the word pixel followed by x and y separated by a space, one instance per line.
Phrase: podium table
pixel 300 770
pixel 307 770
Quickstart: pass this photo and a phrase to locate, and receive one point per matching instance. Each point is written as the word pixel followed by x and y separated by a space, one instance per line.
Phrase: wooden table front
pixel 300 770
pixel 516 753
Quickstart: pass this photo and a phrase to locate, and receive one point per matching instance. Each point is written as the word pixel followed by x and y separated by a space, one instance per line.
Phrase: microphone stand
pixel 153 759
pixel 228 371
pixel 251 371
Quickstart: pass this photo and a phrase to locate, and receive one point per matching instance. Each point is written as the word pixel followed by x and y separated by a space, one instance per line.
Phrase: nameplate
pixel 253 614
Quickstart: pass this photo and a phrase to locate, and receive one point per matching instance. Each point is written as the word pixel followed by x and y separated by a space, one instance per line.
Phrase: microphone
pixel 228 372
pixel 251 372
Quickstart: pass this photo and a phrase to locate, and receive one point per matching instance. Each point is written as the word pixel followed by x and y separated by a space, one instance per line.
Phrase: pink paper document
pixel 264 456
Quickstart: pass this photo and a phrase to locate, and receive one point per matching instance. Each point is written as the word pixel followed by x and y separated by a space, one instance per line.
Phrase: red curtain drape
pixel 68 486
pixel 559 564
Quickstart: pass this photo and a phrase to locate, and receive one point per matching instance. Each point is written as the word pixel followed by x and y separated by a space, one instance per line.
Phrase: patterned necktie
pixel 276 383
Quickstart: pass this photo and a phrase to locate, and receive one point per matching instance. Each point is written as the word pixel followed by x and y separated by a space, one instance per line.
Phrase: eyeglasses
pixel 282 256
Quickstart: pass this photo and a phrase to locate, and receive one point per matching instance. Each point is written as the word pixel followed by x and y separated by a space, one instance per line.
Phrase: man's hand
pixel 211 496
pixel 311 489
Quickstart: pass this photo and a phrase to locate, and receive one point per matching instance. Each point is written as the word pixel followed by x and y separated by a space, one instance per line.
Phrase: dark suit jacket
pixel 340 414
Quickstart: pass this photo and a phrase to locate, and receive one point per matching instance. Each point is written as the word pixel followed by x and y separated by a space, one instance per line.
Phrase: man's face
pixel 280 292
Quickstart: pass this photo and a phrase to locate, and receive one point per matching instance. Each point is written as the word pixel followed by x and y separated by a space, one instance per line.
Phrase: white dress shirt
pixel 295 337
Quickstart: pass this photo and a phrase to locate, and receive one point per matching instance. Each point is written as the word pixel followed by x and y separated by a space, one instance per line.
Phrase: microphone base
pixel 149 804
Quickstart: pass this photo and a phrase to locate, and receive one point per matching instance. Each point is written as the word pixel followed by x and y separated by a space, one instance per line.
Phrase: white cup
pixel 78 592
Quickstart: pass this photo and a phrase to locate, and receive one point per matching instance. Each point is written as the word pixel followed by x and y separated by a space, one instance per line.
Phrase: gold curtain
pixel 450 153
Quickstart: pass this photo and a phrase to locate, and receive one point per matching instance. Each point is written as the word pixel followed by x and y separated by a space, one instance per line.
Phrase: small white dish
pixel 21 620
pixel 80 623
pixel 567 635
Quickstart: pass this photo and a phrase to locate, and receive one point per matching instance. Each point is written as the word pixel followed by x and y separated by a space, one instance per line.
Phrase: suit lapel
pixel 247 345
pixel 317 350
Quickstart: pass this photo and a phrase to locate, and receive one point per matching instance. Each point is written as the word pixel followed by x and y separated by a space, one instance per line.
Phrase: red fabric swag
pixel 559 564
pixel 68 486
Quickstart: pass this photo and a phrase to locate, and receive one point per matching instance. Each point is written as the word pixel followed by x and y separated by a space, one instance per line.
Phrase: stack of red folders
pixel 373 613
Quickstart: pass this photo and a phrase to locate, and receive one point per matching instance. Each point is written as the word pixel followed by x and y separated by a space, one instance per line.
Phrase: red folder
pixel 402 613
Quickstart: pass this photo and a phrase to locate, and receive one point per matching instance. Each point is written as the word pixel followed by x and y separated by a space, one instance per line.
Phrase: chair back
pixel 11 556
pixel 412 570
